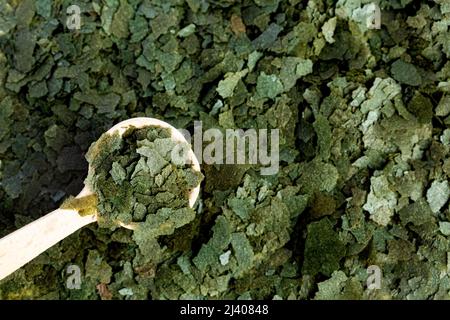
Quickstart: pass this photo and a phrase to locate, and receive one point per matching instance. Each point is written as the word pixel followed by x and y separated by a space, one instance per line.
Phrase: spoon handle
pixel 23 245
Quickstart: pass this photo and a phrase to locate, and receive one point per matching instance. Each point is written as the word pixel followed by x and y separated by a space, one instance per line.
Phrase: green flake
pixel 323 249
pixel 186 31
pixel 445 138
pixel 169 60
pixel 97 269
pixel 323 131
pixel 242 250
pixel 406 73
pixel 205 257
pixel 138 28
pixel 139 212
pixel 105 145
pixel 154 160
pixel 119 24
pixel 56 137
pixel 292 69
pixel 437 195
pixel 381 91
pixel 328 29
pixel 268 37
pixel 225 257
pixel 126 292
pixel 164 21
pixel 242 207
pixel 444 227
pixel 165 147
pixel 107 14
pixel 222 233
pixel 226 86
pixel 253 59
pixel 416 213
pixel 381 201
pixel 25 12
pixel 268 86
pixel 421 107
pixel 25 43
pixel 443 108
pixel 410 137
pixel 13 185
pixel 44 8
pixel 331 288
pixel 304 67
pixel 118 173
pixel 295 203
pixel 318 176
pixel 7 20
pixel 226 119
pixel 38 90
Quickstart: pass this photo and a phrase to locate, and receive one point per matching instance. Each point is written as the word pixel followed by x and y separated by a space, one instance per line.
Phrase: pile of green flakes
pixel 363 115
pixel 136 179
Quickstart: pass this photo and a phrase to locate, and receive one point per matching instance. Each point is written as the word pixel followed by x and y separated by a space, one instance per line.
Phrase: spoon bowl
pixel 176 136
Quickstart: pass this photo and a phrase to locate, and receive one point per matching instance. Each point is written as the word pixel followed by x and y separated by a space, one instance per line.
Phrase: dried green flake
pixel 44 8
pixel 226 87
pixel 323 130
pixel 443 108
pixel 268 86
pixel 323 249
pixel 294 68
pixel 318 176
pixel 119 23
pixel 381 201
pixel 444 227
pixel 437 195
pixel 267 38
pixel 97 269
pixel 331 288
pixel 187 31
pixel 328 29
pixel 406 73
pixel 242 250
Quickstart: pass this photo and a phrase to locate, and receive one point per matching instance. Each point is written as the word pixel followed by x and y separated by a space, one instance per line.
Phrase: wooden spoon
pixel 23 245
